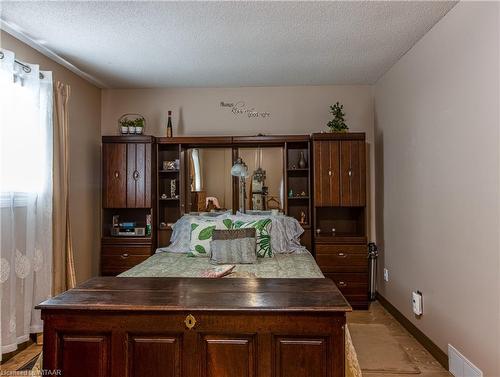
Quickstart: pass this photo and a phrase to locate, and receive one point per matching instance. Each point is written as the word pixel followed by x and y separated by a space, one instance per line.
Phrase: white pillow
pixel 201 235
pixel 181 233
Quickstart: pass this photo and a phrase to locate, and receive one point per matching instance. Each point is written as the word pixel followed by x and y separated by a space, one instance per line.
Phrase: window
pixel 24 134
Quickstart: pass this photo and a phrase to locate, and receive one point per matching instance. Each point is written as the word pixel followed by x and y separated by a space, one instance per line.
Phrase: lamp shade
pixel 239 168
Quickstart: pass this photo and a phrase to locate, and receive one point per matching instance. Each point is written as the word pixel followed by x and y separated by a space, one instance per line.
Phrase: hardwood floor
pixel 420 357
pixel 19 360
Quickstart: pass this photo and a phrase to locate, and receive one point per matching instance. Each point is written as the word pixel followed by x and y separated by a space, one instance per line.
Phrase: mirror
pixel 209 185
pixel 264 186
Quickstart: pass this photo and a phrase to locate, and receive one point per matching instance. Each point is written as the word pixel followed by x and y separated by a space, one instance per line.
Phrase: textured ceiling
pixel 161 44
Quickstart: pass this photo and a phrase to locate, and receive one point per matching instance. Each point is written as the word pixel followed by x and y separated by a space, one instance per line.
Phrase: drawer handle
pixel 136 175
pixel 342 284
pixel 124 256
pixel 342 255
pixel 190 321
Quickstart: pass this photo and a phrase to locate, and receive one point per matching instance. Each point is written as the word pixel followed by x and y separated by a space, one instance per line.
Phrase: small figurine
pixel 210 206
pixel 303 193
pixel 290 193
pixel 163 196
pixel 302 218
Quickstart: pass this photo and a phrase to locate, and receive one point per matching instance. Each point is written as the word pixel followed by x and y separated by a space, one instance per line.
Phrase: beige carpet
pixel 379 352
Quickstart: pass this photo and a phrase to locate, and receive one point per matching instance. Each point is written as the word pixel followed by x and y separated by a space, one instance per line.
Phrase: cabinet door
pixel 89 350
pixel 114 159
pixel 138 175
pixel 326 173
pixel 352 173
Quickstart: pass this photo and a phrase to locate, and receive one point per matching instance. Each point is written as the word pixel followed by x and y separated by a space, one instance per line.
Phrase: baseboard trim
pixel 423 339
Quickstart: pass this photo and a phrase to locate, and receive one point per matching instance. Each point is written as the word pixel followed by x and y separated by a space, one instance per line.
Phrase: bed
pixel 277 317
pixel 167 264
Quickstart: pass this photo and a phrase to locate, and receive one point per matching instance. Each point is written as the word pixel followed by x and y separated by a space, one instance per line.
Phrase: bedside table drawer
pixel 334 249
pixel 116 264
pixel 342 261
pixel 125 250
pixel 342 258
pixel 353 286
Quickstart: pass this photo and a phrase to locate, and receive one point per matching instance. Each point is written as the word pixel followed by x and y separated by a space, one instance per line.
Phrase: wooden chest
pixel 138 327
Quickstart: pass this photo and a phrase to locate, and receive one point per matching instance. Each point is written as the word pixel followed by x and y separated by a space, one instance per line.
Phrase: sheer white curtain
pixel 25 198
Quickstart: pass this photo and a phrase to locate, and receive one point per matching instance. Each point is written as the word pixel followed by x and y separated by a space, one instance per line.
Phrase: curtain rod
pixel 26 68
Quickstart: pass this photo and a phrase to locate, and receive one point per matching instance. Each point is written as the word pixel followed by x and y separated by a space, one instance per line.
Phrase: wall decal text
pixel 240 109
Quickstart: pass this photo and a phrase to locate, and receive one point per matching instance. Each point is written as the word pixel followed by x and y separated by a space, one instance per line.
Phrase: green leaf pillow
pixel 201 235
pixel 263 235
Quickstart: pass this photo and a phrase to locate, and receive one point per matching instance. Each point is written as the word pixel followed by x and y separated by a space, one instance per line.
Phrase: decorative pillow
pixel 285 232
pixel 201 235
pixel 181 234
pixel 263 234
pixel 233 246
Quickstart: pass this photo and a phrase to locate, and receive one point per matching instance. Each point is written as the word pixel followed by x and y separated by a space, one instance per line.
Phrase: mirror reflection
pixel 264 185
pixel 209 179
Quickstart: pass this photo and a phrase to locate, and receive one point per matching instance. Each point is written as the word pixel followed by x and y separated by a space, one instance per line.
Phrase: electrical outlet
pixel 386 274
pixel 416 298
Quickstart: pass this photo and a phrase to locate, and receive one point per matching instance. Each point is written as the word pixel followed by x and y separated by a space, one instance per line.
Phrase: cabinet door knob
pixel 124 255
pixel 329 172
pixel 117 174
pixel 350 173
pixel 342 284
pixel 136 175
pixel 342 255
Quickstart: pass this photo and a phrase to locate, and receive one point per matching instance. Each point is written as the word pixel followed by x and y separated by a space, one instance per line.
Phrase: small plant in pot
pixel 124 123
pixel 131 126
pixel 337 124
pixel 139 125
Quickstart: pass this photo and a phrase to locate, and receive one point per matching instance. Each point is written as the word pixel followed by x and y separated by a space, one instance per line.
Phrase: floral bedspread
pixel 180 265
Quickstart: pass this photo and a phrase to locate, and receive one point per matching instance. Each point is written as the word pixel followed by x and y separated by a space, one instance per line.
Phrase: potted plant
pixel 131 126
pixel 123 126
pixel 139 125
pixel 337 124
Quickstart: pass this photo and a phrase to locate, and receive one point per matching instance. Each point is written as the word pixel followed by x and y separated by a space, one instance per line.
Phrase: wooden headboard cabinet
pixel 328 192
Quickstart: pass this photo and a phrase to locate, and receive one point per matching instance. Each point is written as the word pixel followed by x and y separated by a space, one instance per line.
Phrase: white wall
pixel 437 153
pixel 197 111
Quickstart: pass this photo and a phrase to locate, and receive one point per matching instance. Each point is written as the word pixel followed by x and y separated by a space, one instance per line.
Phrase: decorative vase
pixel 131 129
pixel 124 130
pixel 302 161
pixel 138 130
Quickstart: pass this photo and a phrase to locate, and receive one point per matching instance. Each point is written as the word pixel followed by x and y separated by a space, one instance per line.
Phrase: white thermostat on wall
pixel 417 303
